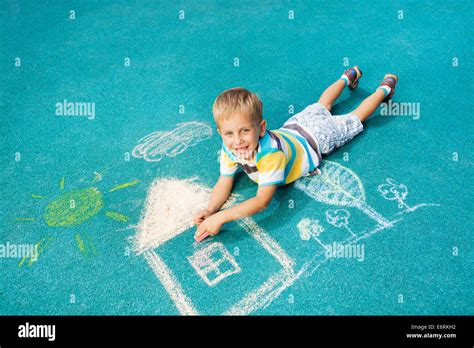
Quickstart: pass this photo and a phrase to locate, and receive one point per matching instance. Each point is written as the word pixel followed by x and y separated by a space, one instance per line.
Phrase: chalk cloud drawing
pixel 154 146
pixel 398 192
pixel 172 202
pixel 213 263
pixel 339 218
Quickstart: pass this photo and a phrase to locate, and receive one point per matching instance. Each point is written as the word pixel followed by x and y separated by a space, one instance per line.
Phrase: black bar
pixel 136 330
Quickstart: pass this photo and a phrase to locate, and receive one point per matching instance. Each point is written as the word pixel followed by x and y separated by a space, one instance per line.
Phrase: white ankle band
pixel 345 78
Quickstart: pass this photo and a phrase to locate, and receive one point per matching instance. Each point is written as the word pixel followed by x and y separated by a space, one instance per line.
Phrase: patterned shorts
pixel 331 131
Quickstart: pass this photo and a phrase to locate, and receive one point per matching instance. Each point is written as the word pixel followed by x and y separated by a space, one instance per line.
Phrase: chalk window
pixel 214 263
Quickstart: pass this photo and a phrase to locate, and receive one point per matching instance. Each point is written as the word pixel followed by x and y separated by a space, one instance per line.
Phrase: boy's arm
pixel 213 223
pixel 251 206
pixel 220 193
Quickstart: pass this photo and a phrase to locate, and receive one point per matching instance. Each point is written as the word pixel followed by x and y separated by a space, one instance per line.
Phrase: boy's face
pixel 241 135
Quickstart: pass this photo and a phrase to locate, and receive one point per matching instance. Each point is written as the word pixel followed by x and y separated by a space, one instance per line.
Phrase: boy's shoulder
pixel 269 143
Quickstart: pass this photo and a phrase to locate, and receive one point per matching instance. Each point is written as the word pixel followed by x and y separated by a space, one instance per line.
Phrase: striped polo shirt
pixel 283 156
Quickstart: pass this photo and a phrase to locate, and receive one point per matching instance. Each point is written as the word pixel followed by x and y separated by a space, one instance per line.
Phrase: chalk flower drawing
pixel 310 229
pixel 339 218
pixel 398 192
pixel 154 146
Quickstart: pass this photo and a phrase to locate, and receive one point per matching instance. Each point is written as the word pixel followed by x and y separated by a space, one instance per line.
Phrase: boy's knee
pixel 328 106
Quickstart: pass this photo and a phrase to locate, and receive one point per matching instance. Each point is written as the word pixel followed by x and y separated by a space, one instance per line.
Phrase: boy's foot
pixel 352 76
pixel 388 86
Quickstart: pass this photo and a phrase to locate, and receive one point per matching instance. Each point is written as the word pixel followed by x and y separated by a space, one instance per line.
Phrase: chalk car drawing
pixel 154 146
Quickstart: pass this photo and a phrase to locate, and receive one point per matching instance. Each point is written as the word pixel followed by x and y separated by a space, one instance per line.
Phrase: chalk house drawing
pixel 154 146
pixel 168 212
pixel 171 203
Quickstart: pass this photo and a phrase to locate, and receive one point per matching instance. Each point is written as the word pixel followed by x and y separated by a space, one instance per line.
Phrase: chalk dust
pixel 169 209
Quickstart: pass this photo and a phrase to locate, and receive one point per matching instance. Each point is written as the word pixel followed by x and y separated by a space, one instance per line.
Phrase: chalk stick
pixel 201 237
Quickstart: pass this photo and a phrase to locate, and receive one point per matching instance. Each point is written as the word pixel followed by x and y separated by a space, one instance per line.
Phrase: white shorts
pixel 331 131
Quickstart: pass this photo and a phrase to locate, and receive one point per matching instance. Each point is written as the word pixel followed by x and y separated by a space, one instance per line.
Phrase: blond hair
pixel 237 100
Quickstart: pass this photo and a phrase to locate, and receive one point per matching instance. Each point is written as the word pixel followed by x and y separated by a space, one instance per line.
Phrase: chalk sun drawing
pixel 73 208
pixel 154 146
pixel 168 212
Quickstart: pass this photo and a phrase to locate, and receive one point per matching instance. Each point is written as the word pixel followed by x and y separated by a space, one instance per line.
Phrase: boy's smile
pixel 241 135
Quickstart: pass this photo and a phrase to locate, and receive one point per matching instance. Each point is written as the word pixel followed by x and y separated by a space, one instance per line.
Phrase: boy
pixel 279 157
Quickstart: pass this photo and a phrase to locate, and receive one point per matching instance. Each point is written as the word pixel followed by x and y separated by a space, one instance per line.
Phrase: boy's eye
pixel 246 130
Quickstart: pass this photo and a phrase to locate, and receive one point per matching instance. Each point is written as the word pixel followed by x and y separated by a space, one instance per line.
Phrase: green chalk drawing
pixel 85 244
pixel 90 244
pixel 116 216
pixel 38 196
pixel 40 248
pixel 80 243
pixel 74 207
pixel 118 187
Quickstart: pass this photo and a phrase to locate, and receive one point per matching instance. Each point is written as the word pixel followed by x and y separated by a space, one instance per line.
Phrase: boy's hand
pixel 210 225
pixel 201 216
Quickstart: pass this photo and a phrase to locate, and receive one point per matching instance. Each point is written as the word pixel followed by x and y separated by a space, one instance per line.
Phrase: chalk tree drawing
pixel 154 146
pixel 310 229
pixel 398 192
pixel 339 218
pixel 213 263
pixel 338 185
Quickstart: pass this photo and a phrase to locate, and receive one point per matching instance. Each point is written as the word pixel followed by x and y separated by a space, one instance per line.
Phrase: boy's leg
pixel 383 93
pixel 349 78
pixel 331 93
pixel 369 105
